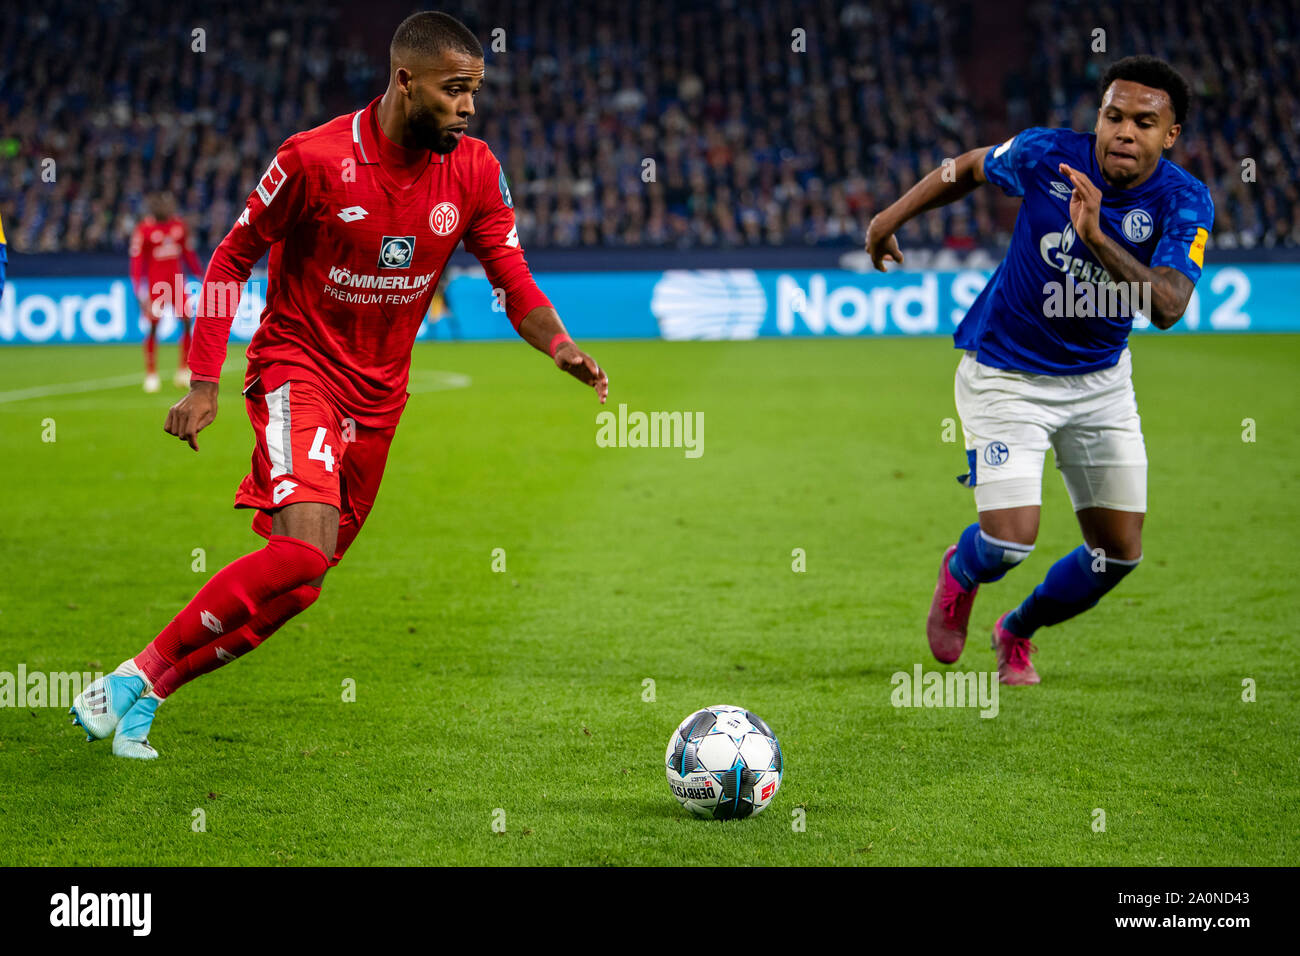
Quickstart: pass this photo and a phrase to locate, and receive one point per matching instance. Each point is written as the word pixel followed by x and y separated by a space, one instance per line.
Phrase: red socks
pixel 269 618
pixel 185 346
pixel 231 599
pixel 151 349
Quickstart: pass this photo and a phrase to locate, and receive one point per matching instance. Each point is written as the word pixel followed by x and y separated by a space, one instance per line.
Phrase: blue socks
pixel 1073 584
pixel 980 559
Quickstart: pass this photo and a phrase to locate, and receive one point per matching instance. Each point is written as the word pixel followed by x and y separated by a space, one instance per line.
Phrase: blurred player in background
pixel 441 313
pixel 160 253
pixel 1100 209
pixel 360 216
pixel 4 258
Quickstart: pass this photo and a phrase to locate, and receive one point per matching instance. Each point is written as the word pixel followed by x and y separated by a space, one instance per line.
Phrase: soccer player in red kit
pixel 160 253
pixel 360 215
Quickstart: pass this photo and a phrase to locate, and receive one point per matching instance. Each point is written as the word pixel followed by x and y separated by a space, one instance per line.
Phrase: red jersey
pixel 359 230
pixel 159 252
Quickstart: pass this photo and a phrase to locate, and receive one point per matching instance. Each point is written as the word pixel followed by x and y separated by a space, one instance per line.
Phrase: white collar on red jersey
pixel 363 137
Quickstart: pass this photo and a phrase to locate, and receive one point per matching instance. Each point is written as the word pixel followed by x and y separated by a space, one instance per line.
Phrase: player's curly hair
pixel 429 33
pixel 1153 72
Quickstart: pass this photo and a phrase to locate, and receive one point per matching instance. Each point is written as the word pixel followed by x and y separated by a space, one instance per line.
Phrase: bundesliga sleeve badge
pixel 505 189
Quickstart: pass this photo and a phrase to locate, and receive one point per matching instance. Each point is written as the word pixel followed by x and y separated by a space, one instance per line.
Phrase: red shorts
pixel 308 450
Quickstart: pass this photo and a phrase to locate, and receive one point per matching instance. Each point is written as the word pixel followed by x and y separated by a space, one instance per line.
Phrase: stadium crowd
pixel 1242 137
pixel 759 134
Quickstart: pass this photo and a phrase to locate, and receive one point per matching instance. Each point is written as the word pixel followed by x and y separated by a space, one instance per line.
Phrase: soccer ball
pixel 723 762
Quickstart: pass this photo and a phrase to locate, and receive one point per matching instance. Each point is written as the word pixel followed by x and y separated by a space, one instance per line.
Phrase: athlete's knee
pixel 1129 552
pixel 1017 526
pixel 982 558
pixel 1005 552
pixel 1127 556
pixel 1114 535
pixel 297 562
pixel 316 523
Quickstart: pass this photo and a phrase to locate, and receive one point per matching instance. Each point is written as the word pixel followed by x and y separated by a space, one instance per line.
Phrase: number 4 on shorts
pixel 320 451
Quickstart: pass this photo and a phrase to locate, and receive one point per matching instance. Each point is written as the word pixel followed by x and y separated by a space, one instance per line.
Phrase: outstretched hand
pixel 193 413
pixel 571 359
pixel 882 244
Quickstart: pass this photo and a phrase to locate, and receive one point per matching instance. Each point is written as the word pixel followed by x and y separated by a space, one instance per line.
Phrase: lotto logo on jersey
pixel 396 252
pixel 443 218
pixel 270 182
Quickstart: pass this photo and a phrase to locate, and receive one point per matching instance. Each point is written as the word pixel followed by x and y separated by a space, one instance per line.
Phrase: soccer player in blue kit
pixel 1046 362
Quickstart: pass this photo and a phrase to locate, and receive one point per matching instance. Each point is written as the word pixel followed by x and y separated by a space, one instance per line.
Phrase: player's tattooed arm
pixel 1170 289
pixel 542 329
pixel 950 182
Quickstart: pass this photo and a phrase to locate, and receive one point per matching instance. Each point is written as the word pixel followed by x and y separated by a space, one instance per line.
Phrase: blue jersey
pixel 1163 222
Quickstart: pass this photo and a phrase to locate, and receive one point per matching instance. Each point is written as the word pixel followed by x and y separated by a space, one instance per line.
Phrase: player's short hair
pixel 1153 72
pixel 429 33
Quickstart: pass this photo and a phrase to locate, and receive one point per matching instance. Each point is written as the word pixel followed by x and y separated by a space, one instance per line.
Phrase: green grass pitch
pixel 524 691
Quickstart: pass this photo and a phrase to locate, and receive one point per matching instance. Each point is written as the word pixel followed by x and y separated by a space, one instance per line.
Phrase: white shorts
pixel 1090 422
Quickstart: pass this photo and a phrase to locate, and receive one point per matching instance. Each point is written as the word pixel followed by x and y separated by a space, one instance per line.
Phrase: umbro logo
pixel 353 213
pixel 224 655
pixel 211 622
pixel 283 490
pixel 1062 190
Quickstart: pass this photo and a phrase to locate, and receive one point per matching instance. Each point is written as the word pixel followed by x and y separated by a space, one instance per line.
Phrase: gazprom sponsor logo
pixel 1055 249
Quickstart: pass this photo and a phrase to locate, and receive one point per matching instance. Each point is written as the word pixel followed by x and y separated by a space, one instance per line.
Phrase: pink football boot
pixel 949 613
pixel 1013 656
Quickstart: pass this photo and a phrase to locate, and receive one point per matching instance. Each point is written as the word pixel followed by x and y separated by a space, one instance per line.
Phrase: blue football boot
pixel 99 707
pixel 132 737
